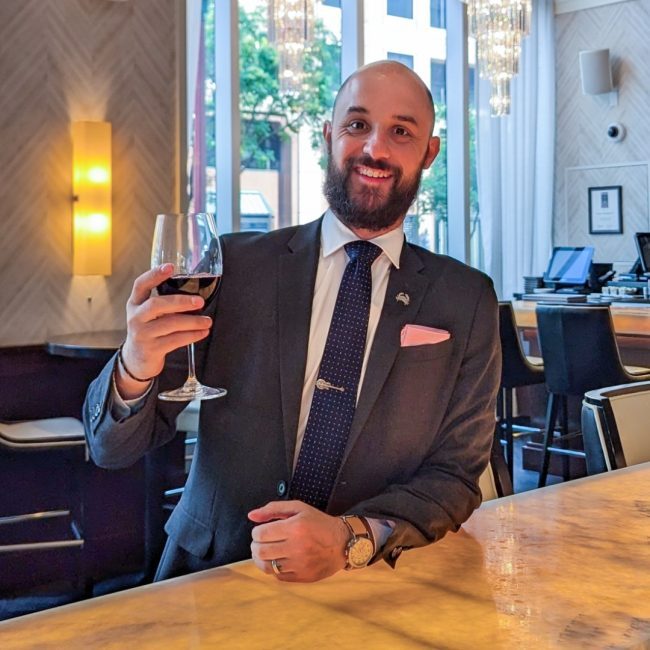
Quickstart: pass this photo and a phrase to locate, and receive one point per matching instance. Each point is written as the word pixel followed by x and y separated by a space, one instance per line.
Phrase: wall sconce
pixel 91 187
pixel 596 75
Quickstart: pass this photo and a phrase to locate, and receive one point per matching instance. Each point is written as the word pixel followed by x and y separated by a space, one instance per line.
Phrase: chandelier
pixel 499 26
pixel 291 28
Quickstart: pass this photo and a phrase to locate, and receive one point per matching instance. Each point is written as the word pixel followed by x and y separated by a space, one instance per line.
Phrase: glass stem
pixel 191 375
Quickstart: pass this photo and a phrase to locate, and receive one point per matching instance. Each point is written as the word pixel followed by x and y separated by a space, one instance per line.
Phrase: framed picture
pixel 606 210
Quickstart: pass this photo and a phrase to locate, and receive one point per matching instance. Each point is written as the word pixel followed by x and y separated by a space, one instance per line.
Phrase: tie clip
pixel 323 384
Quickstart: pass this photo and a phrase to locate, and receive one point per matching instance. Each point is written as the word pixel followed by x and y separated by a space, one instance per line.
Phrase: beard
pixel 370 210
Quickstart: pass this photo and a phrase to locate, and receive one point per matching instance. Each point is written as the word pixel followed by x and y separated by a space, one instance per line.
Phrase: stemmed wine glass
pixel 191 244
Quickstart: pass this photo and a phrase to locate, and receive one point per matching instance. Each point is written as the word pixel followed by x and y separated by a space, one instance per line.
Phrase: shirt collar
pixel 335 234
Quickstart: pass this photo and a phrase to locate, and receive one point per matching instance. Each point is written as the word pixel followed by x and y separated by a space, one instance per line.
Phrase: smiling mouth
pixel 372 172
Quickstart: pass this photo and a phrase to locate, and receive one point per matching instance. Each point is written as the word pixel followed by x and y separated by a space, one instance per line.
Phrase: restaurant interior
pixel 115 111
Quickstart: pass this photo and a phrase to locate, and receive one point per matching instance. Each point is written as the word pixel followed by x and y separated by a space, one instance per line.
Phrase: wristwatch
pixel 360 548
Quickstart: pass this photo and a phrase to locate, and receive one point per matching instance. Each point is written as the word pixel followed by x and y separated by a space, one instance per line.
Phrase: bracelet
pixel 127 371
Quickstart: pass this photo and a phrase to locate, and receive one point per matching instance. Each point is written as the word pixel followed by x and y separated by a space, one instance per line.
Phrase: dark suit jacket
pixel 421 433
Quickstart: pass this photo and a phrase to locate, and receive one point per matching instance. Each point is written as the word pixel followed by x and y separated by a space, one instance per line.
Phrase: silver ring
pixel 277 568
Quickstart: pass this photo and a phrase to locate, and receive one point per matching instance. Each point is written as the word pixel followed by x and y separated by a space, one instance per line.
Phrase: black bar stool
pixel 580 354
pixel 517 370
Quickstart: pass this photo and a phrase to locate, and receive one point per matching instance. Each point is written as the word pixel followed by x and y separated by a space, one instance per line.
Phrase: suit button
pixel 282 488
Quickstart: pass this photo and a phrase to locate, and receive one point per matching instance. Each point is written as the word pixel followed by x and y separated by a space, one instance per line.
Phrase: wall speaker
pixel 595 72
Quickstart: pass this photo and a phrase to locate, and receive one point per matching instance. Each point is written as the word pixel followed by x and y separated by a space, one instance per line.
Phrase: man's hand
pixel 156 325
pixel 307 544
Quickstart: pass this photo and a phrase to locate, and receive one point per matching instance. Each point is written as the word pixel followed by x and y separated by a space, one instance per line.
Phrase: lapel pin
pixel 404 298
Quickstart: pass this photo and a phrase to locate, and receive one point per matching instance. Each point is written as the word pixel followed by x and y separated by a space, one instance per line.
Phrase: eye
pixel 356 125
pixel 401 131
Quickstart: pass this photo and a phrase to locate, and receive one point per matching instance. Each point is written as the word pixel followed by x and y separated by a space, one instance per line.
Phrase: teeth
pixel 373 173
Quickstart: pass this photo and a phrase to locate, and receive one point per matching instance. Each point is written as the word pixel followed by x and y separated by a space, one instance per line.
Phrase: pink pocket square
pixel 422 335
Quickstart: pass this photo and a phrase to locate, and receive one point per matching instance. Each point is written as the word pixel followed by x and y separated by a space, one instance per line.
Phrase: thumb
pixel 276 510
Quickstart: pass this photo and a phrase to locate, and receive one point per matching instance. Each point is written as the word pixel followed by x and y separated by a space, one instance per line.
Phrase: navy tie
pixel 335 395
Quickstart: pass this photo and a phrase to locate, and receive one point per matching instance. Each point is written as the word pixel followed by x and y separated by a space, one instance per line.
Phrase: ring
pixel 277 568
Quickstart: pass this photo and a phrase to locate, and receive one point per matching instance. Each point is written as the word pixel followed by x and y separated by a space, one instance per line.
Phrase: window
pixel 439 82
pixel 282 161
pixel 406 59
pixel 438 13
pixel 401 8
pixel 280 149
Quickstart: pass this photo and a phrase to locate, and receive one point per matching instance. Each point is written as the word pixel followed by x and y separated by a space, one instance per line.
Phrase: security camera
pixel 616 132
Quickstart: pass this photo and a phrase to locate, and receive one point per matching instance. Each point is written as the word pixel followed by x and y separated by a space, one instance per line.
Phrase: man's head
pixel 379 141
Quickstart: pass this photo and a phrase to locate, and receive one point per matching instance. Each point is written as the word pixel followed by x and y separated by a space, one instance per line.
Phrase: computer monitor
pixel 642 240
pixel 569 265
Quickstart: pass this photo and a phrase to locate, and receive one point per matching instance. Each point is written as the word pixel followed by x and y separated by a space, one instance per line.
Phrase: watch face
pixel 360 552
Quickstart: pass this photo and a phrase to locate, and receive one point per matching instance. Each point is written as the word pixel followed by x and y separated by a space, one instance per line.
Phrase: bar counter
pixel 629 319
pixel 567 566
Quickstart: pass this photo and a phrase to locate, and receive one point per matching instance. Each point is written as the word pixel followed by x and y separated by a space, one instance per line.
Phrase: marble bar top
pixel 567 566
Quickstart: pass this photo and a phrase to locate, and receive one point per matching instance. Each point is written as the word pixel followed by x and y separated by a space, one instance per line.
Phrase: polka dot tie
pixel 335 395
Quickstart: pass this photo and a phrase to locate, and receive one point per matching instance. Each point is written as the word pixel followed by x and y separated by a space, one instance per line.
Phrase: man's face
pixel 378 143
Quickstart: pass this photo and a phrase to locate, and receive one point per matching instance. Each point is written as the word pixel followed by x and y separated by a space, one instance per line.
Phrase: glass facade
pixel 281 153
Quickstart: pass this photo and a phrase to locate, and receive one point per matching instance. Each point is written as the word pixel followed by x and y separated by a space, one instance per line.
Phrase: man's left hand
pixel 306 544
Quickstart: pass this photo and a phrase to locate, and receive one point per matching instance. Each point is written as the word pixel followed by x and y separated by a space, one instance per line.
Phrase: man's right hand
pixel 156 325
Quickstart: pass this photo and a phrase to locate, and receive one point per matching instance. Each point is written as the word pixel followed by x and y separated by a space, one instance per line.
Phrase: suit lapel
pixel 297 275
pixel 411 286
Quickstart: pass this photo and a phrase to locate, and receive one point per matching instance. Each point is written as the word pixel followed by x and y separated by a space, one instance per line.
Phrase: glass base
pixel 190 391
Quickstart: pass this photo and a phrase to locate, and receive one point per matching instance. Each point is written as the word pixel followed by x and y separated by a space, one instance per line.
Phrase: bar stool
pixel 47 435
pixel 580 354
pixel 517 370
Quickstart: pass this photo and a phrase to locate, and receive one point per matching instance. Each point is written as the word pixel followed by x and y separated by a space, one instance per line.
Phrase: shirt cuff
pixel 381 531
pixel 120 408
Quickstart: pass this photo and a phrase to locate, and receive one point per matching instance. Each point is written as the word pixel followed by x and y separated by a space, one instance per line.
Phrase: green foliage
pixel 267 114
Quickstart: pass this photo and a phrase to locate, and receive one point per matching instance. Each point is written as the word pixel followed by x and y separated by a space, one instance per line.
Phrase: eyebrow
pixel 400 118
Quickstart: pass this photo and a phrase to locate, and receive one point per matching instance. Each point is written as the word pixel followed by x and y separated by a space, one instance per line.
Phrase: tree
pixel 266 113
pixel 432 198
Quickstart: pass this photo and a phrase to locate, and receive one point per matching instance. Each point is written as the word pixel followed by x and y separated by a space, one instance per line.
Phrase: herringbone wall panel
pixel 62 61
pixel 582 122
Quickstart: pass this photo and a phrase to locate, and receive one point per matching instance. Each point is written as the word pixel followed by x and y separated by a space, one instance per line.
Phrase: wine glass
pixel 191 244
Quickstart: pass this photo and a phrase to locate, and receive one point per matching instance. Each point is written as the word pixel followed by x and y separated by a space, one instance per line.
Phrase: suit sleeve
pixel 444 491
pixel 115 442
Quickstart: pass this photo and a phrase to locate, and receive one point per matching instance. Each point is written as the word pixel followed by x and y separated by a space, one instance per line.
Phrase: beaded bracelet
pixel 127 371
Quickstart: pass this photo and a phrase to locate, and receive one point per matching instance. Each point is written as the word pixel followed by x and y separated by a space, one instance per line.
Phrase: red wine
pixel 199 284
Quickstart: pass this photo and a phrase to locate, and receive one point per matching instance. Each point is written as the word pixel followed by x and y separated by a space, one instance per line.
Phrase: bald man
pixel 405 467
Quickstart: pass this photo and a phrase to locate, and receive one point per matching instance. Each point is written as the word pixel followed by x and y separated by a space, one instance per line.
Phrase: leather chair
pixel 615 427
pixel 55 527
pixel 580 353
pixel 517 370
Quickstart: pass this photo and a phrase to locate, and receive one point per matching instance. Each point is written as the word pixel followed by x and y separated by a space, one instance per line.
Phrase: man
pixel 416 430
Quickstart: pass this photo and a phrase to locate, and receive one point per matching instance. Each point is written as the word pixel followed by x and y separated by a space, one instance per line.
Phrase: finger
pixel 148 281
pixel 159 306
pixel 270 532
pixel 272 551
pixel 167 344
pixel 171 324
pixel 277 510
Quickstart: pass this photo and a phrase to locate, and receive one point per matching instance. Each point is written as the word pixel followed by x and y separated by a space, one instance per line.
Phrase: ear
pixel 327 132
pixel 433 149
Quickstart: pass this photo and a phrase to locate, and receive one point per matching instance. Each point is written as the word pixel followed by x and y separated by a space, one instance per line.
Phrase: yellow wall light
pixel 92 213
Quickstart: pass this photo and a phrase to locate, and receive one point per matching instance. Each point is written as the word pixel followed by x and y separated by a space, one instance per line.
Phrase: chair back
pixel 621 427
pixel 515 369
pixel 579 348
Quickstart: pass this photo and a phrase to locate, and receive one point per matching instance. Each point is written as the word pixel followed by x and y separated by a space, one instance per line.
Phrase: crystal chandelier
pixel 499 26
pixel 291 28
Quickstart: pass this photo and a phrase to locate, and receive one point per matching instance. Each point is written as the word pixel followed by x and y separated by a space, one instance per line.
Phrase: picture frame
pixel 606 210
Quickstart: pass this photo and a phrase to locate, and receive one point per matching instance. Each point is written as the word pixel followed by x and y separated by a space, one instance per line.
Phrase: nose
pixel 376 145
